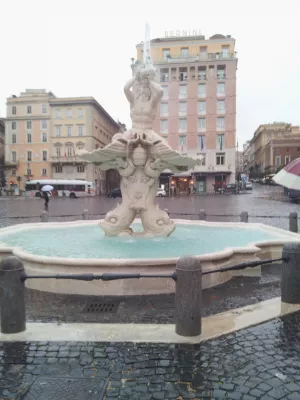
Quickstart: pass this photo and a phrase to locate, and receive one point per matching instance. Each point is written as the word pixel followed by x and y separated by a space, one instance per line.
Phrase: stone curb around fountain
pixel 212 327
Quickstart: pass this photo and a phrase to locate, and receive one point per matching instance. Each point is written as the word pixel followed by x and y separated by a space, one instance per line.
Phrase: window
pixel 182 107
pixel 182 144
pixel 202 124
pixel 44 124
pixel 220 158
pixel 164 75
pixel 202 107
pixel 220 88
pixel 28 125
pixel 58 152
pixel 44 137
pixel 57 131
pixel 58 169
pixel 203 51
pixel 29 155
pixel 184 52
pixel 202 90
pixel 14 172
pixel 166 53
pixel 164 125
pixel 14 138
pixel 202 73
pixel 80 168
pixel 182 91
pixel 164 109
pixel 221 72
pixel 28 109
pixel 287 159
pixel 278 161
pixel 201 142
pixel 14 156
pixel 45 155
pixel 69 130
pixel 225 51
pixel 70 151
pixel 69 113
pixel 80 113
pixel 201 159
pixel 220 124
pixel 220 142
pixel 13 125
pixel 28 137
pixel 44 108
pixel 182 124
pixel 183 75
pixel 80 130
pixel 28 173
pixel 44 172
pixel 57 113
pixel 165 89
pixel 220 106
pixel 14 110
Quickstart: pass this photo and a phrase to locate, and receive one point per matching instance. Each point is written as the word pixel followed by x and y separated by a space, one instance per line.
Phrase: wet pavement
pixel 151 309
pixel 261 362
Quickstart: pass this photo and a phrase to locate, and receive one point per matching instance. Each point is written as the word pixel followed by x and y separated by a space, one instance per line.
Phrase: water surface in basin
pixel 90 242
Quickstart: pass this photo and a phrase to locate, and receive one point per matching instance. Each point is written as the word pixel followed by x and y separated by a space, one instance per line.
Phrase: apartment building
pixel 2 137
pixel 27 144
pixel 77 124
pixel 197 114
pixel 44 135
pixel 268 137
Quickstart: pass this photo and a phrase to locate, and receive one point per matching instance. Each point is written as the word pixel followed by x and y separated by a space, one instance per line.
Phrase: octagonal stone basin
pixel 81 247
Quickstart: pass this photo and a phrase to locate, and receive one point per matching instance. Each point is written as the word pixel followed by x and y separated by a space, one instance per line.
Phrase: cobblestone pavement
pixel 260 362
pixel 238 292
pixel 265 205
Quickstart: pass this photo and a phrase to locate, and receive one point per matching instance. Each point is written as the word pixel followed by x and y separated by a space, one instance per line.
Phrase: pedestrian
pixel 46 197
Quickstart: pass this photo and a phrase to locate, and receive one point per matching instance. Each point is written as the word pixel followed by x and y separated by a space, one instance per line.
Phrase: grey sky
pixel 83 48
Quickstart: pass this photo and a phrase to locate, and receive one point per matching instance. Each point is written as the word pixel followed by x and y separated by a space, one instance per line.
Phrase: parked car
pixel 248 185
pixel 230 188
pixel 294 195
pixel 115 193
pixel 161 192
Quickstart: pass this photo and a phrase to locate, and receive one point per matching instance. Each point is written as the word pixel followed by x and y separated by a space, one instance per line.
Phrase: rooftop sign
pixel 182 33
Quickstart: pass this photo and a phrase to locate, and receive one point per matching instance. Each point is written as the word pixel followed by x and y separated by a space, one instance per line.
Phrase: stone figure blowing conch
pixel 139 155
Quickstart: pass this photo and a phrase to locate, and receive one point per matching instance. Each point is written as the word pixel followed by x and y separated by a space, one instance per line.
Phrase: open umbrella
pixel 289 176
pixel 47 188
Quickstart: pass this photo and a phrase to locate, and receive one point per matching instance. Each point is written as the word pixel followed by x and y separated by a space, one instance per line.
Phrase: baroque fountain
pixel 150 244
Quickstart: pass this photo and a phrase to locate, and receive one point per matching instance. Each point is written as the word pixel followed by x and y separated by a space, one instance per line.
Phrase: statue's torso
pixel 142 114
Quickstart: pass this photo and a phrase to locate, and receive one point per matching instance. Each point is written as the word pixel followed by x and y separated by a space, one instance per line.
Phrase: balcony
pixel 11 164
pixel 199 57
pixel 67 160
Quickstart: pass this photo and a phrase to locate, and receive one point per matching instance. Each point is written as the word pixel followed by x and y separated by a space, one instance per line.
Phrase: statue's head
pixel 145 74
pixel 139 156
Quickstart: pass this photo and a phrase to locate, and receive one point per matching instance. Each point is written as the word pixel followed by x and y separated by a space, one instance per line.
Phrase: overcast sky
pixel 83 48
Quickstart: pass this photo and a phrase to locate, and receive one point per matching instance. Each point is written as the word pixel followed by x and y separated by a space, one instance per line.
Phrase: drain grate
pixel 101 307
pixel 66 388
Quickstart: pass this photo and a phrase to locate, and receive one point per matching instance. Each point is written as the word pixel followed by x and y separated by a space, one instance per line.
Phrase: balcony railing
pixel 66 159
pixel 198 57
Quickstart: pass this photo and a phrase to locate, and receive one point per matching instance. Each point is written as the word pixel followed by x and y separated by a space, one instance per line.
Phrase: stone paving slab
pixel 261 362
pixel 238 292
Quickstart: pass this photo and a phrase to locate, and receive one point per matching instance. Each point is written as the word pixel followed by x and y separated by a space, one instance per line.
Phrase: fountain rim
pixel 251 248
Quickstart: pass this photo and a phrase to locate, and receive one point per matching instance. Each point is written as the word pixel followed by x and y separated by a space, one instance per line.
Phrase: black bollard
pixel 85 214
pixel 13 315
pixel 44 216
pixel 293 222
pixel 188 296
pixel 244 216
pixel 290 279
pixel 202 215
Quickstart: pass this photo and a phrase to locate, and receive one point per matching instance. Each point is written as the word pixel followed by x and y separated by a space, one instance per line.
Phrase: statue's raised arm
pixel 157 92
pixel 127 90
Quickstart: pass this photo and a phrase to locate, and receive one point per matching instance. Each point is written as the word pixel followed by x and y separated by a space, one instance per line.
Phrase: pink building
pixel 198 110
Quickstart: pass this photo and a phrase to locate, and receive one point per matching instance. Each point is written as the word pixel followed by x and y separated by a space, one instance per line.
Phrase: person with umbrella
pixel 46 189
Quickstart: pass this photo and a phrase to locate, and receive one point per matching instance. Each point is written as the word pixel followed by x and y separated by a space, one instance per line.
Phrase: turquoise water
pixel 90 242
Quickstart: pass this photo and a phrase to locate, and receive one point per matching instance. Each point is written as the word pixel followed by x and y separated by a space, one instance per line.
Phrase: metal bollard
pixel 44 216
pixel 13 313
pixel 244 216
pixel 188 297
pixel 290 279
pixel 202 215
pixel 293 222
pixel 85 214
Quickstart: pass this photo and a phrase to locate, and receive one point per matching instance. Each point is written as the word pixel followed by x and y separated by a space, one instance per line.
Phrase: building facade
pixel 2 137
pixel 280 152
pixel 197 114
pixel 261 163
pixel 44 135
pixel 27 145
pixel 79 124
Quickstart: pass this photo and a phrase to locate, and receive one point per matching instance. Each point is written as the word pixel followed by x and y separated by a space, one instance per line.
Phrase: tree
pixel 2 172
